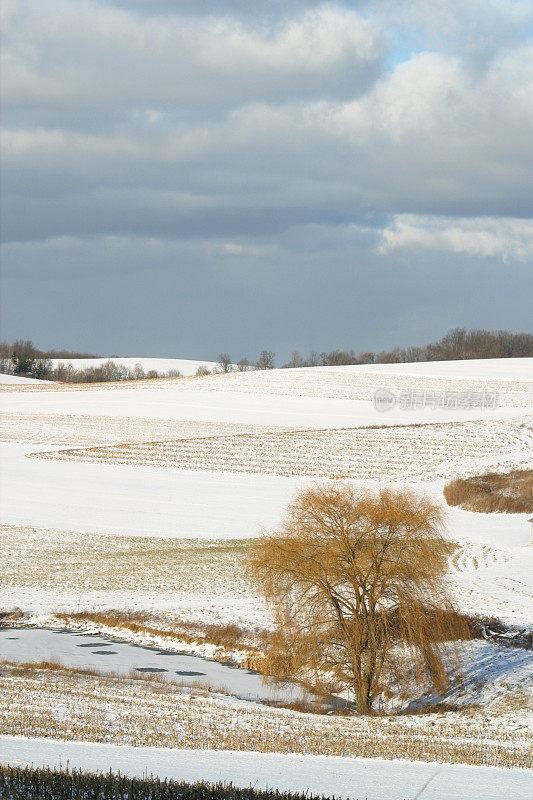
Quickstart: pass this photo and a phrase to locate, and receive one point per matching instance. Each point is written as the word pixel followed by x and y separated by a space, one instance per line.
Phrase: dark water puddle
pixel 94 644
pixel 189 673
pixel 150 669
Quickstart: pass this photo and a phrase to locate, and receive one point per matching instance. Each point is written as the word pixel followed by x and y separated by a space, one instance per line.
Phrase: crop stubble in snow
pixel 89 708
pixel 419 452
pixel 65 561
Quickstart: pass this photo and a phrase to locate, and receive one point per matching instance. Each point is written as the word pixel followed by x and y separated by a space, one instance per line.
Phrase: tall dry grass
pixel 510 492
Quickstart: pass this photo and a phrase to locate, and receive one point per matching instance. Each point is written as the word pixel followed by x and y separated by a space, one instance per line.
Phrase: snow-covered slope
pixel 220 457
pixel 16 379
pixel 497 368
pixel 186 366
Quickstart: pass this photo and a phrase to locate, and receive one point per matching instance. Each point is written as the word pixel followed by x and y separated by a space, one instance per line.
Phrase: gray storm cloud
pixel 360 146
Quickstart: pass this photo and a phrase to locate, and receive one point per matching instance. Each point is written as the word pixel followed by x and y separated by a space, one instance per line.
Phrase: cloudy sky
pixel 182 178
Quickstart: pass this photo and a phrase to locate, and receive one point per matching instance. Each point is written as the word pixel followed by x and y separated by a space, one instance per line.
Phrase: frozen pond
pixel 91 651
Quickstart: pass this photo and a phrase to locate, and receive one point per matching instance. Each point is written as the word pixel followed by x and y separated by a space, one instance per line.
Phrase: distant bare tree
pixel 203 370
pixel 338 358
pixel 64 372
pixel 244 365
pixel 224 363
pixel 6 364
pixel 366 357
pixel 296 361
pixel 314 359
pixel 354 578
pixel 265 360
pixel 137 372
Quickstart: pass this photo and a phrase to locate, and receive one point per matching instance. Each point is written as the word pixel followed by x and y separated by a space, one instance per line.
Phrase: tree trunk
pixel 363 694
pixel 364 702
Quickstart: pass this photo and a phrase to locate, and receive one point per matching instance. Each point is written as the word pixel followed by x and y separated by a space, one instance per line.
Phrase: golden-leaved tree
pixel 355 579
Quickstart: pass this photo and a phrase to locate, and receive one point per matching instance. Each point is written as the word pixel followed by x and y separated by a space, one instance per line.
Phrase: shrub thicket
pixel 510 492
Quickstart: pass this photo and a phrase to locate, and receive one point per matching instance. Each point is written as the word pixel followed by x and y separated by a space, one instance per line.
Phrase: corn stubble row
pixel 400 452
pixel 64 705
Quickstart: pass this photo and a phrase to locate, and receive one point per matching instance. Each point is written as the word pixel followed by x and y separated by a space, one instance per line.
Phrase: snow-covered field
pixel 373 779
pixel 236 447
pixel 142 495
pixel 495 368
pixel 180 712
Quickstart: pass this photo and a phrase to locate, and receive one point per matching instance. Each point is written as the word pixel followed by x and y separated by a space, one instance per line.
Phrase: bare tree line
pixel 457 345
pixel 23 358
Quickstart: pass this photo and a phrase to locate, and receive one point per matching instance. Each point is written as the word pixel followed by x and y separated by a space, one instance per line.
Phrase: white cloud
pixel 123 123
pixel 506 238
pixel 61 55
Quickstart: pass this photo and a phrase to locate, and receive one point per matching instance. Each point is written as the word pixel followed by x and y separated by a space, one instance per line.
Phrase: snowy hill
pixel 16 379
pixel 178 458
pixel 187 367
pixel 497 368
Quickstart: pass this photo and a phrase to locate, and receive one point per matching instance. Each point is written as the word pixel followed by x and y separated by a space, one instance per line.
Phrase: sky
pixel 185 178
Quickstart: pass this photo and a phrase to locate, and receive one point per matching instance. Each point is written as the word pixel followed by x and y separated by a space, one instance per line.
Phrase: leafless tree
pixel 355 580
pixel 338 358
pixel 265 360
pixel 366 357
pixel 314 359
pixel 224 363
pixel 244 365
pixel 6 364
pixel 296 361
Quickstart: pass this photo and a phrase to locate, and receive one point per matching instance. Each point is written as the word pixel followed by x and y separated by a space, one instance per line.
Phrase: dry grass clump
pixel 510 492
pixel 233 643
pixel 63 705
